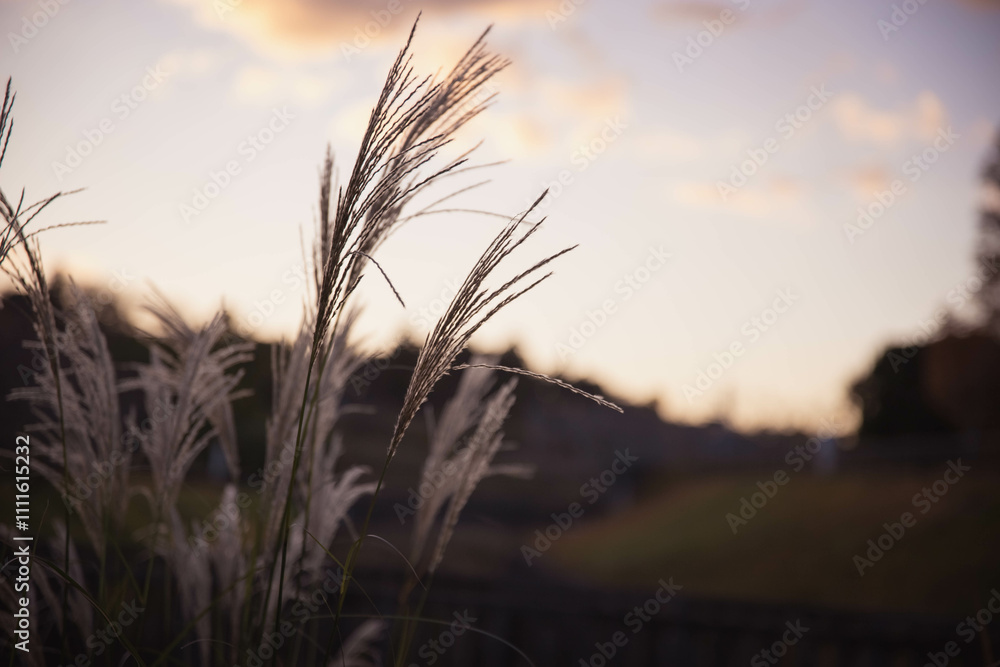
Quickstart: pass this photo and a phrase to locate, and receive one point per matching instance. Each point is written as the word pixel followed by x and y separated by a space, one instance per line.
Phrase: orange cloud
pixel 857 120
pixel 868 179
pixel 294 27
pixel 777 199
pixel 679 11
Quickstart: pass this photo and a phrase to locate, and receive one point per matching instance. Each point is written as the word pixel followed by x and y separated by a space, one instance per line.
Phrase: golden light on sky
pixel 765 193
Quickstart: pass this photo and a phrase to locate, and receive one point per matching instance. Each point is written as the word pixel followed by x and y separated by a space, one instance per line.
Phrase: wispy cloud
pixel 320 26
pixel 859 121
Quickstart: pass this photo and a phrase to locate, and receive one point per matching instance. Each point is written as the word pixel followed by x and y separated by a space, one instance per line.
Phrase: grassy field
pixel 800 545
pixel 799 548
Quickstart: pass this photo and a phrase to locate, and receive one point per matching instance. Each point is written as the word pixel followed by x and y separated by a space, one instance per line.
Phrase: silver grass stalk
pixel 318 453
pixel 228 556
pixel 191 567
pixel 192 374
pixel 203 567
pixel 94 481
pixel 472 306
pixel 459 416
pixel 474 464
pixel 322 517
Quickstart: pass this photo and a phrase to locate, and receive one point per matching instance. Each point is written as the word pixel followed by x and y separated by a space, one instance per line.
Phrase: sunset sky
pixel 642 109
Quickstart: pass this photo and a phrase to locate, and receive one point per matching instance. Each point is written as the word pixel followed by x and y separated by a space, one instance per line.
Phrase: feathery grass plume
pixel 326 511
pixel 228 556
pixel 474 461
pixel 321 495
pixel 192 570
pixel 31 281
pixel 461 474
pixel 10 233
pixel 179 336
pixel 439 473
pixel 386 175
pixel 95 479
pixel 17 218
pixel 455 101
pixel 412 120
pixel 194 376
pixel 289 368
pixel 472 306
pixel 207 566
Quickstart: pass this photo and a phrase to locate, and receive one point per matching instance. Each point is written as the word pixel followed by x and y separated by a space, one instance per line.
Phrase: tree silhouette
pixel 988 252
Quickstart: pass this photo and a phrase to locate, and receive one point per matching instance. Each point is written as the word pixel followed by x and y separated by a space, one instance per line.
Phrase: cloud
pixel 296 27
pixel 858 121
pixel 562 113
pixel 690 11
pixel 777 198
pixel 660 145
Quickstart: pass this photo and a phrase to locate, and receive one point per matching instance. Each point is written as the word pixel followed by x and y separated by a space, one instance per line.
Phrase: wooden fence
pixel 556 625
